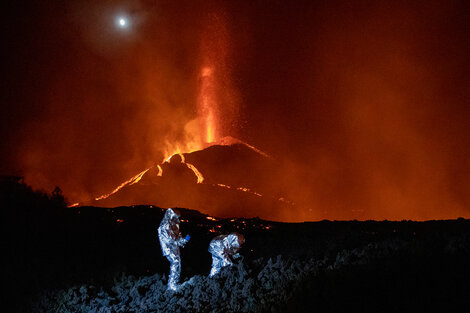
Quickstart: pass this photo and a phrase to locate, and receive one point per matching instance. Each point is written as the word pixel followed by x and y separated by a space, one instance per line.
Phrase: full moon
pixel 122 22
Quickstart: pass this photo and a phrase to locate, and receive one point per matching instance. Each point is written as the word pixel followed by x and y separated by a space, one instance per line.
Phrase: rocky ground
pixel 90 259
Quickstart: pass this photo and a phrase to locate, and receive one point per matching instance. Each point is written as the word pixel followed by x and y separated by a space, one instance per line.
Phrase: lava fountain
pixel 215 87
pixel 217 100
pixel 208 104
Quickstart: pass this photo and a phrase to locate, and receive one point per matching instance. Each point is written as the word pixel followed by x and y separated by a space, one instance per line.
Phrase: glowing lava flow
pixel 244 189
pixel 200 177
pixel 129 182
pixel 248 190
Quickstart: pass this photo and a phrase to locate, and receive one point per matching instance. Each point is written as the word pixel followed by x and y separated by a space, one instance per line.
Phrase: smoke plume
pixel 364 105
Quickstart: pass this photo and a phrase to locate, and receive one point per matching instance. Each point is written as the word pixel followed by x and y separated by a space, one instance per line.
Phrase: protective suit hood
pixel 235 240
pixel 172 215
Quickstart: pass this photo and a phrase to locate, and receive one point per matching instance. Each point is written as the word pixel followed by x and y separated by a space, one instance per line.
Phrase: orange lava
pixel 208 104
pixel 244 189
pixel 200 178
pixel 129 182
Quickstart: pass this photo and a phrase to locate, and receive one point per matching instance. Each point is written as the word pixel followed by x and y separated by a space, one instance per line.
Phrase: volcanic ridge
pixel 233 179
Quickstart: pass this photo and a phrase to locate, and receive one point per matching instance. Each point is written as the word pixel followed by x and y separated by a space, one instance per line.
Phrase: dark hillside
pixel 90 259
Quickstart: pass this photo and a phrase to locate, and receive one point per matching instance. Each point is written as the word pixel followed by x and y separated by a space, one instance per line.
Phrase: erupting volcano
pixel 226 179
pixel 333 136
pixel 233 171
pixel 345 111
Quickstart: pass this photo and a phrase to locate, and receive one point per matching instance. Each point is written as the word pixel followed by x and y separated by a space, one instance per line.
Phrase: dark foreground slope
pixel 91 259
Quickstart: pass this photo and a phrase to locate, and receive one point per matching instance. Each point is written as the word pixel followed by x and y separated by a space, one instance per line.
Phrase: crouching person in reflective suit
pixel 170 241
pixel 223 248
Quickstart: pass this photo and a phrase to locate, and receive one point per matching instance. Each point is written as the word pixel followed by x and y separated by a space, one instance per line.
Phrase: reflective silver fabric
pixel 223 248
pixel 175 270
pixel 170 240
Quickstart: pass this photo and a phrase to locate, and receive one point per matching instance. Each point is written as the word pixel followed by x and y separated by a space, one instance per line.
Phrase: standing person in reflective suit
pixel 223 248
pixel 170 241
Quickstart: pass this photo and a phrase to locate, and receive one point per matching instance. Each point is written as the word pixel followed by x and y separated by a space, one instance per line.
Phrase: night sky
pixel 365 103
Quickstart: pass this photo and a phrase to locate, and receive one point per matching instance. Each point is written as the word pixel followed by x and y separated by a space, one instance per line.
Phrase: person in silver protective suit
pixel 223 248
pixel 170 240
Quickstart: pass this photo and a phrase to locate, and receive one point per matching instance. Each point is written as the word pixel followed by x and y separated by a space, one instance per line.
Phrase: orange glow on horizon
pixel 362 118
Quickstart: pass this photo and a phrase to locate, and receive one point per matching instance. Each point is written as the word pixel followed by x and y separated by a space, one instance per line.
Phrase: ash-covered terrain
pixel 89 259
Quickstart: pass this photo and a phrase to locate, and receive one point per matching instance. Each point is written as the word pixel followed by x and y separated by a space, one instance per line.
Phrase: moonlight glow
pixel 122 22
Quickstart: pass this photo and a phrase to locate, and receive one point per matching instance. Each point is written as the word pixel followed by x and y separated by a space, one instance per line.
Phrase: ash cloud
pixel 365 104
pixel 113 99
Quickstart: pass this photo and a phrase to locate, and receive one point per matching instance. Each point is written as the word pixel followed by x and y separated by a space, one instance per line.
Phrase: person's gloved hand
pixel 187 237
